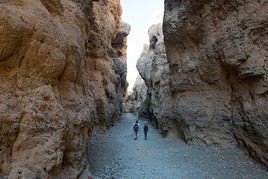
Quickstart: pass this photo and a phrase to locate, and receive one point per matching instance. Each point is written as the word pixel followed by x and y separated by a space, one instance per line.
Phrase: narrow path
pixel 116 154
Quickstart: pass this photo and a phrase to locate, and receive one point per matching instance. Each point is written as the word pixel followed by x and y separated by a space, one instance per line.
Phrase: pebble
pixel 117 155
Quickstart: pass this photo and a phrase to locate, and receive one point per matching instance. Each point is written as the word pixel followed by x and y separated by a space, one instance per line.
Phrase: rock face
pixel 213 87
pixel 153 68
pixel 217 53
pixel 135 101
pixel 62 71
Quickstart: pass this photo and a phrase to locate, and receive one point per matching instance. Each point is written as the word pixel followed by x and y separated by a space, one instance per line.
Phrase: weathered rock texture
pixel 134 101
pixel 217 54
pixel 62 71
pixel 213 86
pixel 153 68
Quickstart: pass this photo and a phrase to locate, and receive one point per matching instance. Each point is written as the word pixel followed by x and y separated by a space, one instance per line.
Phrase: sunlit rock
pixel 59 83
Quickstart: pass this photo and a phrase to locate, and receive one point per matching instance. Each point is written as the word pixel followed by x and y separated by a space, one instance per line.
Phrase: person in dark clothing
pixel 145 130
pixel 136 129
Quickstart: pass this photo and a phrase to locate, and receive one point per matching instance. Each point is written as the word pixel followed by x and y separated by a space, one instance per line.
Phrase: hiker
pixel 136 129
pixel 145 130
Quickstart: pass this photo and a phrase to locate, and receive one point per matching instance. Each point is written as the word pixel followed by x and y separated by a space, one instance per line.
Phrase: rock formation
pixel 135 101
pixel 62 71
pixel 153 68
pixel 217 54
pixel 214 89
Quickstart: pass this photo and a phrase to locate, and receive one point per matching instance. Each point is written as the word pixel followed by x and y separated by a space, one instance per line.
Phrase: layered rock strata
pixel 62 71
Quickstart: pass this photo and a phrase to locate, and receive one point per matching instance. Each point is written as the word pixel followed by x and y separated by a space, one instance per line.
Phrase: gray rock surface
pixel 153 68
pixel 217 54
pixel 135 101
pixel 212 85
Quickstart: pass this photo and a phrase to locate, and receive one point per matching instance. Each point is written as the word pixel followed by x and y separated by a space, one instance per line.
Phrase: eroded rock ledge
pixel 62 72
pixel 213 85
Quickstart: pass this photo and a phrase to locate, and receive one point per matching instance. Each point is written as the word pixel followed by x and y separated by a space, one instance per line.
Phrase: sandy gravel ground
pixel 116 155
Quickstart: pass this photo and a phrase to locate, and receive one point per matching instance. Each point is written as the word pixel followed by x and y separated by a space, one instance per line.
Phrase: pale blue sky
pixel 140 14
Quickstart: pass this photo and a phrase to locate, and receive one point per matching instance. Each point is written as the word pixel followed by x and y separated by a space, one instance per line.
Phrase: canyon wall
pixel 213 85
pixel 217 54
pixel 135 100
pixel 153 68
pixel 62 71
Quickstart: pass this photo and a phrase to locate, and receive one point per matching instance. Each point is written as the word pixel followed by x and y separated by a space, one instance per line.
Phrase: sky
pixel 140 14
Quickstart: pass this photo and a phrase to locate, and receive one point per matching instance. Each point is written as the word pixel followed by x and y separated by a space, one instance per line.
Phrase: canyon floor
pixel 115 154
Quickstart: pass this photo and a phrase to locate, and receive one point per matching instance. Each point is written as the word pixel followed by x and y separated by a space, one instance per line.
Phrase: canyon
pixel 207 74
pixel 203 78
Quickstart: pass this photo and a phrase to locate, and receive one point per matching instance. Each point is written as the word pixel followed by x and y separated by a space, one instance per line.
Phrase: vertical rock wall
pixel 153 68
pixel 212 86
pixel 135 101
pixel 62 72
pixel 217 53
